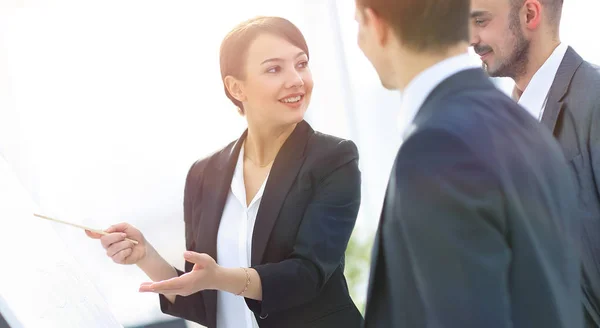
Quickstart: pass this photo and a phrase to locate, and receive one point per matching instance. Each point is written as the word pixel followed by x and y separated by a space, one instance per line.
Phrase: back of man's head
pixel 424 25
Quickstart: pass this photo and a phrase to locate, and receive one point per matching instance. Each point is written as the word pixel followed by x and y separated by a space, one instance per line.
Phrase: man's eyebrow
pixel 478 13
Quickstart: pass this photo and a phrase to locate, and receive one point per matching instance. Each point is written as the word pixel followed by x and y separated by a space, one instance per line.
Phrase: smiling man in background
pixel 520 39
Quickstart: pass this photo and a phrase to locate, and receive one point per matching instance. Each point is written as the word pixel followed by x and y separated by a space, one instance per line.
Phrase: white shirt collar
pixel 238 187
pixel 417 90
pixel 535 94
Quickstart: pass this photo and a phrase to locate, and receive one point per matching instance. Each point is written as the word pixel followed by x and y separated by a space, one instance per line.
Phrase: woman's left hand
pixel 203 276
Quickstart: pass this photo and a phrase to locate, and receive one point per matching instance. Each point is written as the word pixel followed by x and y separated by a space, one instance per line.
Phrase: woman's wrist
pixel 231 280
pixel 155 266
pixel 150 256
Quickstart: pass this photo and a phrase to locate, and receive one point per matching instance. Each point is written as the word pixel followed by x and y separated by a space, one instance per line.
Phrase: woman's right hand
pixel 122 251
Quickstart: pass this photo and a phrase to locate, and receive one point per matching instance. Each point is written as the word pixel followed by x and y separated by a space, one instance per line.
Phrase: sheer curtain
pixel 105 105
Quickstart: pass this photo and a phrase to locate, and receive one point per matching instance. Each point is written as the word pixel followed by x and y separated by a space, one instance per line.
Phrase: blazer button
pixel 266 315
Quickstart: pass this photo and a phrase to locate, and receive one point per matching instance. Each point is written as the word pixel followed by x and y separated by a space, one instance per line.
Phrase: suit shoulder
pixel 326 153
pixel 588 73
pixel 471 123
pixel 593 67
pixel 586 81
pixel 197 169
pixel 583 98
pixel 440 152
pixel 325 145
pixel 433 142
pixel 475 116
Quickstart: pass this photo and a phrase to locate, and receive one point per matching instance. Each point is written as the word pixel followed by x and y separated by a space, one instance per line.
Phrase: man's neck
pixel 411 64
pixel 539 54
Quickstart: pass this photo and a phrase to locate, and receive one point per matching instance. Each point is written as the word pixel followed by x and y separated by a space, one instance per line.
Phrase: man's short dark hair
pixel 424 25
pixel 552 7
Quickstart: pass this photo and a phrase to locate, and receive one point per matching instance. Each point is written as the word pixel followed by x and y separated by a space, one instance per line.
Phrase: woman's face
pixel 277 85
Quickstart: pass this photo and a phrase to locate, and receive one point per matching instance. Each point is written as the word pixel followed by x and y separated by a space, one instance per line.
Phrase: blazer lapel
pixel 374 263
pixel 559 88
pixel 551 113
pixel 285 168
pixel 215 188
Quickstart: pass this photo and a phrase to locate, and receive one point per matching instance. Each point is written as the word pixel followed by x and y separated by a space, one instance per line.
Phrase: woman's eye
pixel 303 64
pixel 273 69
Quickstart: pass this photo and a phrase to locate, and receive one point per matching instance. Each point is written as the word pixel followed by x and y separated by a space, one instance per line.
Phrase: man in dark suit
pixel 475 229
pixel 520 39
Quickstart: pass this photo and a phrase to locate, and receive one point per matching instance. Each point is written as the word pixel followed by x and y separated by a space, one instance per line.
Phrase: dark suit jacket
pixel 475 229
pixel 306 216
pixel 573 114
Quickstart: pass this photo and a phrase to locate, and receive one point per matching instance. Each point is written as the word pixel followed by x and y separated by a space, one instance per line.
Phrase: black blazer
pixel 573 114
pixel 306 216
pixel 475 229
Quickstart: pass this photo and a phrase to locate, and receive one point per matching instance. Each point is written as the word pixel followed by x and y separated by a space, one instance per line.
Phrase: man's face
pixel 369 39
pixel 497 36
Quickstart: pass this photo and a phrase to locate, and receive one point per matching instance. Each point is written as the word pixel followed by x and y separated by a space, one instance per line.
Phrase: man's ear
pixel 234 86
pixel 378 25
pixel 533 14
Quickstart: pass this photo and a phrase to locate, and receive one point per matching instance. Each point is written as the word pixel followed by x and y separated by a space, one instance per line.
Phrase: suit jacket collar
pixel 417 90
pixel 465 80
pixel 285 168
pixel 560 88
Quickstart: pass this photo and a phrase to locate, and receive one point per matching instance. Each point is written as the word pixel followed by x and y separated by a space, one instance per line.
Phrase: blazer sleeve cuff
pixel 167 307
pixel 264 307
pixel 255 306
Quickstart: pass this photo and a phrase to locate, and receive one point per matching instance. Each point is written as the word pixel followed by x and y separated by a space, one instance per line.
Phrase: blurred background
pixel 104 106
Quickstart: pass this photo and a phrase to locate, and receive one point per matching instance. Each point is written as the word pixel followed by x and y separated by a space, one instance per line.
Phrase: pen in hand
pixel 80 226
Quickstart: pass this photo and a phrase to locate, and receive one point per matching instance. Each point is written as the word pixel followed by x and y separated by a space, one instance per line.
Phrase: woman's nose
pixel 294 80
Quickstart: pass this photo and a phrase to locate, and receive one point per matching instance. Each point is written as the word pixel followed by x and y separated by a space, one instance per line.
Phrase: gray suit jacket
pixel 573 114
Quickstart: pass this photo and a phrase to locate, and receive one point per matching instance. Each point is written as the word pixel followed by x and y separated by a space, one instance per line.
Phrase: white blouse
pixel 234 247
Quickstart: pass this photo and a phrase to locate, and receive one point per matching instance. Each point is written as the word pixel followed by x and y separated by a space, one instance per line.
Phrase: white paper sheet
pixel 41 284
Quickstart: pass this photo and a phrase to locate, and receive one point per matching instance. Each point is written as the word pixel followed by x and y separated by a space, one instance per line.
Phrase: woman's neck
pixel 263 144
